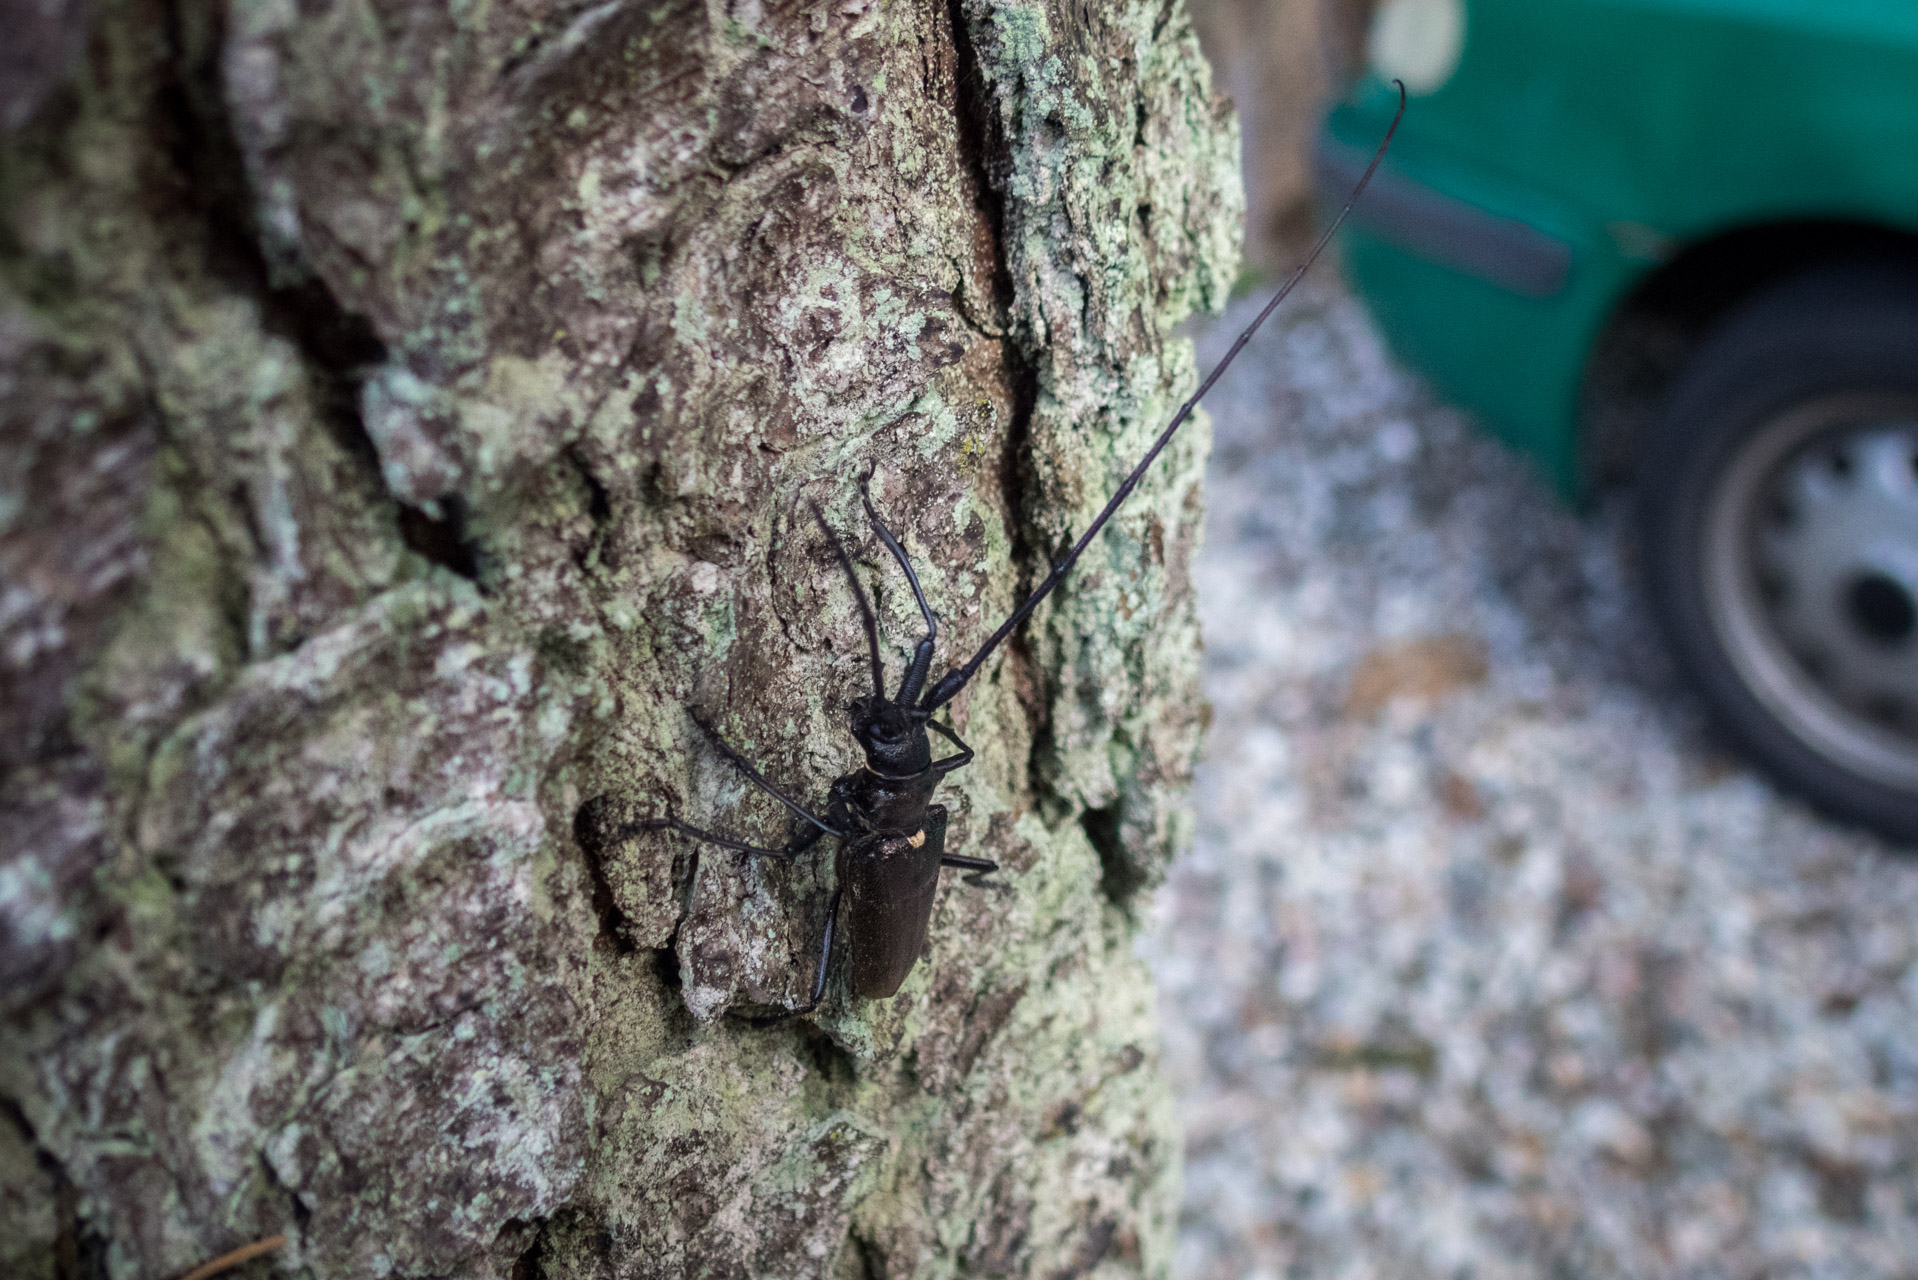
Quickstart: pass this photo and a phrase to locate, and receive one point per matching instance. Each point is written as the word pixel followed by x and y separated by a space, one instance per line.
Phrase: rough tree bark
pixel 409 414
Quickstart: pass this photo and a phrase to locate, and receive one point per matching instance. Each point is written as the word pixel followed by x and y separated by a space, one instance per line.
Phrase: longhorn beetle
pixel 892 838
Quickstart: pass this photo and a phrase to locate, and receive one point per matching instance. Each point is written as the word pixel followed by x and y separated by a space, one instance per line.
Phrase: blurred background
pixel 1281 62
pixel 1497 955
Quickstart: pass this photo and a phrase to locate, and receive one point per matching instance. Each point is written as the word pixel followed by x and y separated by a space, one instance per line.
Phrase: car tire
pixel 1779 526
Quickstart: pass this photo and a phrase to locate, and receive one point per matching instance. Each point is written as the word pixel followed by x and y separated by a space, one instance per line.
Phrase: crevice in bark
pixel 338 347
pixel 860 1260
pixel 976 118
pixel 979 137
pixel 295 1206
pixel 599 504
pixel 1120 876
pixel 443 539
pixel 1166 13
pixel 213 183
pixel 1018 484
pixel 666 964
pixel 825 1056
pixel 79 1252
pixel 195 135
pixel 530 1264
pixel 576 1241
pixel 589 824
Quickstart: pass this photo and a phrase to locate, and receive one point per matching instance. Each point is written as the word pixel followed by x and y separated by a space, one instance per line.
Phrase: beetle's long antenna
pixel 915 678
pixel 859 594
pixel 955 680
pixel 899 553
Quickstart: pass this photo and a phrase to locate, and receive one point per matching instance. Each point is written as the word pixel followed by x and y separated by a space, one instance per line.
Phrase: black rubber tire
pixel 1834 330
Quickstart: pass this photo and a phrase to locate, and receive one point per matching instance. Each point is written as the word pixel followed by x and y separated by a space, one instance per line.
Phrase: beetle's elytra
pixel 890 882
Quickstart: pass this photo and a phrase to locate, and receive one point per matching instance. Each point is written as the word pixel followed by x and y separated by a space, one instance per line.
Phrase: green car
pixel 1681 236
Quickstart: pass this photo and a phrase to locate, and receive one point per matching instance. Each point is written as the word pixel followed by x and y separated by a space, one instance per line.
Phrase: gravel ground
pixel 1488 962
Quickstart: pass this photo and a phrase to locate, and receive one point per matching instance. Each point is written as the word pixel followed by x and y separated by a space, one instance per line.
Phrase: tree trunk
pixel 410 415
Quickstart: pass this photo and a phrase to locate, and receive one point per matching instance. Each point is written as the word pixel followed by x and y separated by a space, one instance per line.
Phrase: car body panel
pixel 1625 131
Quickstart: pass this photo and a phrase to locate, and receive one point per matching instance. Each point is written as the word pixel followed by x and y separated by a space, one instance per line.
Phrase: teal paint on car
pixel 1580 146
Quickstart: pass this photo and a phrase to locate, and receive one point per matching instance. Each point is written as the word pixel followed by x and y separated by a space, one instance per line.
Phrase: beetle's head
pixel 893 737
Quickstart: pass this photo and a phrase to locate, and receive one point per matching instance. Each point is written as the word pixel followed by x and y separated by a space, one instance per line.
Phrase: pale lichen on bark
pixel 410 412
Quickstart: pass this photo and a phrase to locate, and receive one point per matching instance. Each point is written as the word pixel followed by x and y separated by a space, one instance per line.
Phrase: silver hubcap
pixel 1811 578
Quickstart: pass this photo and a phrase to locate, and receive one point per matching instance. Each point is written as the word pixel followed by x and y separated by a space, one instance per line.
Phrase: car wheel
pixel 1780 536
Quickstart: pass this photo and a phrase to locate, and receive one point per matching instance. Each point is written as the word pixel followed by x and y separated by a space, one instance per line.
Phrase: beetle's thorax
pixel 895 806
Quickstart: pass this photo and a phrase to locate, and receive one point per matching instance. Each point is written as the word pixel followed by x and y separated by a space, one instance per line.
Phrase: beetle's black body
pixel 892 838
pixel 889 884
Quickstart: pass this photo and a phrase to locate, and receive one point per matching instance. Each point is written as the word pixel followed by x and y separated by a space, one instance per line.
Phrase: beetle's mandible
pixel 892 838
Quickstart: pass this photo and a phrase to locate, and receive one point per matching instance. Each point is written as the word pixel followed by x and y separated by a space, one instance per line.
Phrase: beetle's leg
pixel 936 819
pixel 806 839
pixel 979 867
pixel 915 677
pixel 759 780
pixel 960 761
pixel 935 835
pixel 818 978
pixel 840 809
